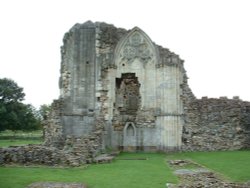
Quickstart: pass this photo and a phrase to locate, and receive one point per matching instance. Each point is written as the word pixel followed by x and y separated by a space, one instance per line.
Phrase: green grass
pixel 233 165
pixel 149 173
pixel 152 172
pixel 17 142
pixel 10 138
pixel 30 134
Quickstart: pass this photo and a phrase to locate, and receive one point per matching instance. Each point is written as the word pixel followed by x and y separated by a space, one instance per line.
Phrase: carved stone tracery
pixel 136 46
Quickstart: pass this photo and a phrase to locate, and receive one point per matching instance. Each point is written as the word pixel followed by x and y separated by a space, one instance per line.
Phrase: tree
pixel 44 111
pixel 10 91
pixel 3 120
pixel 15 115
pixel 28 117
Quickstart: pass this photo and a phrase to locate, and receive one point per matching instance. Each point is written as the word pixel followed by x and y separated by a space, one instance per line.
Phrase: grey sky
pixel 212 36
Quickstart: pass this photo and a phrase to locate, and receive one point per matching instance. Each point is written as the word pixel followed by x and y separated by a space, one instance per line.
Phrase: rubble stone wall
pixel 57 148
pixel 76 151
pixel 216 124
pixel 53 130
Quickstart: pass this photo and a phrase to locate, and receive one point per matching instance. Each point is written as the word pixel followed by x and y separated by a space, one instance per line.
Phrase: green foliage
pixel 19 116
pixel 10 91
pixel 149 173
pixel 14 115
pixel 44 110
pixel 234 165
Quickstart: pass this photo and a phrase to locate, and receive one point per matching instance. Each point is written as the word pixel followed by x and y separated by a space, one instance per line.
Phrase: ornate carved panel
pixel 136 46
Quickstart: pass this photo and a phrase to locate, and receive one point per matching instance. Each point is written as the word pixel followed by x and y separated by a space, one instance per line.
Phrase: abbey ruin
pixel 121 91
pixel 135 94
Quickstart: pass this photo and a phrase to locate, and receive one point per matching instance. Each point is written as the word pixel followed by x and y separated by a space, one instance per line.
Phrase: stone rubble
pixel 199 177
pixel 105 158
pixel 56 185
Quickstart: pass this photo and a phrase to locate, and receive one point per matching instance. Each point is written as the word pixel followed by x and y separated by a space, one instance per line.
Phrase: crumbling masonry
pixel 121 91
pixel 127 93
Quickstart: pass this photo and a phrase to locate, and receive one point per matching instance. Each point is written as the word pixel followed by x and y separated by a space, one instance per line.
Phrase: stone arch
pixel 129 129
pixel 135 45
pixel 129 137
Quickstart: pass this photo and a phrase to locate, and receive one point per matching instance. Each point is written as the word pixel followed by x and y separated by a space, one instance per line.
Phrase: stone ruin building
pixel 121 91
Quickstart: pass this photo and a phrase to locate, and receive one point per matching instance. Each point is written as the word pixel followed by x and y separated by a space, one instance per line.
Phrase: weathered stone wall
pixel 120 90
pixel 75 153
pixel 216 124
pixel 35 154
pixel 78 80
pixel 139 92
pixel 157 106
pixel 53 130
pixel 96 60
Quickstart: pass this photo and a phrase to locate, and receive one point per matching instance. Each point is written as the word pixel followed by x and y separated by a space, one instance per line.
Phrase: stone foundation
pixel 56 185
pixel 199 176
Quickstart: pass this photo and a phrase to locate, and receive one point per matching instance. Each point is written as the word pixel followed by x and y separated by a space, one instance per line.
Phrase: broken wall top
pixel 110 39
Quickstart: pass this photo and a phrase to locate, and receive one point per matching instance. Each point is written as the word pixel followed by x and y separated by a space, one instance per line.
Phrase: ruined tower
pixel 120 90
pixel 121 77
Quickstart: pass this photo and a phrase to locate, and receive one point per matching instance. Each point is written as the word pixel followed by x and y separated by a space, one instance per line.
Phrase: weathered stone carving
pixel 136 47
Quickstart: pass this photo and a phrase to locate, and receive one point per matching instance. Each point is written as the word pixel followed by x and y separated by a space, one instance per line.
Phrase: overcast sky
pixel 212 36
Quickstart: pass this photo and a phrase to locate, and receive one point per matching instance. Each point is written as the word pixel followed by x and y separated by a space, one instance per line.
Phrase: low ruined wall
pixel 32 154
pixel 75 152
pixel 57 148
pixel 216 124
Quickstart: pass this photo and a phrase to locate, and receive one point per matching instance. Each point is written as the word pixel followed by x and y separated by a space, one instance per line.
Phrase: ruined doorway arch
pixel 129 137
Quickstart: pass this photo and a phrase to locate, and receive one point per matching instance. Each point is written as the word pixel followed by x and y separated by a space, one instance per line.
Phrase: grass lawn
pixel 9 138
pixel 233 165
pixel 32 134
pixel 18 142
pixel 122 173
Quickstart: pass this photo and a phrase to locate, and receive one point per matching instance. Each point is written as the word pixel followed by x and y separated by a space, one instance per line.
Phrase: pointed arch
pixel 135 45
pixel 129 129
